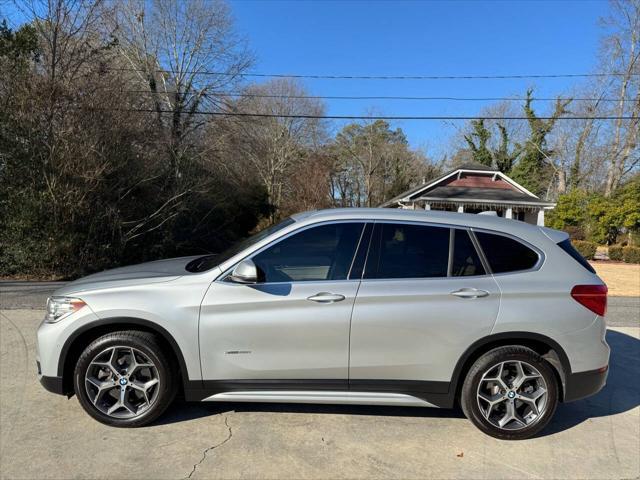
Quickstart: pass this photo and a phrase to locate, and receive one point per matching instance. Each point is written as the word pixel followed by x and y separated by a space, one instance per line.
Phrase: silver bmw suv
pixel 358 306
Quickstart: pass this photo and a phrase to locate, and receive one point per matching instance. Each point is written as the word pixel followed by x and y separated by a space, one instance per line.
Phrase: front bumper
pixel 584 384
pixel 50 339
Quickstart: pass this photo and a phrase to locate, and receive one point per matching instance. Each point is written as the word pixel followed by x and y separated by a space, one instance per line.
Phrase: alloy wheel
pixel 122 382
pixel 512 395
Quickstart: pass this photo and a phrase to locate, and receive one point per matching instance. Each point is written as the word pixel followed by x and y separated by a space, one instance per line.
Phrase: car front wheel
pixel 510 393
pixel 124 379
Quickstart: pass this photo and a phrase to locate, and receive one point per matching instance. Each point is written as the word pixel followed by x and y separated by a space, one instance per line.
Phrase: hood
pixel 142 273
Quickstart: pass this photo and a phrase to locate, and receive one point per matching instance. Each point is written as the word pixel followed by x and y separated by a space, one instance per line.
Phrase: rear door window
pixel 505 254
pixel 408 251
pixel 465 261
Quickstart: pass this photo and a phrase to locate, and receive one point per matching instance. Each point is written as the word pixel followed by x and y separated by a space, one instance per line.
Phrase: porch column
pixel 508 213
pixel 460 208
pixel 541 217
pixel 427 206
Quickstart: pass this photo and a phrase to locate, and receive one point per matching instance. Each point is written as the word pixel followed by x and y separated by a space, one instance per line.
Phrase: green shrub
pixel 570 211
pixel 615 253
pixel 575 233
pixel 631 254
pixel 604 220
pixel 586 249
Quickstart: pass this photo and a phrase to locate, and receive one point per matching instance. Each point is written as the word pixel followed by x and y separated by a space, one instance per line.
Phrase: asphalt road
pixel 47 436
pixel 27 295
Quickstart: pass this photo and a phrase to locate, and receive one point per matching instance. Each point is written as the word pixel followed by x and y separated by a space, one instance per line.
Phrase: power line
pixel 381 97
pixel 360 117
pixel 379 77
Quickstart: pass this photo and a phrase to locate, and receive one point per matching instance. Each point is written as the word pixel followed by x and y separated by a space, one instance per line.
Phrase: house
pixel 475 188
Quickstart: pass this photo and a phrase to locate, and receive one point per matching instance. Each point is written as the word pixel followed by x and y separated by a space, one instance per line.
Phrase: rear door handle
pixel 326 297
pixel 470 293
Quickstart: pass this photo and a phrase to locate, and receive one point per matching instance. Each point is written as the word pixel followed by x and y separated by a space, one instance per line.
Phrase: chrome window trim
pixel 476 243
pixel 223 277
pixel 471 231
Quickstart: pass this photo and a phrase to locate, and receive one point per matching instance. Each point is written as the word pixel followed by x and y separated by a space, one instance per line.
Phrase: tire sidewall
pixel 482 365
pixel 150 349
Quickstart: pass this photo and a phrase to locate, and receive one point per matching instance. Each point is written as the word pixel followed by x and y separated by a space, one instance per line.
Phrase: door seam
pixel 495 320
pixel 353 306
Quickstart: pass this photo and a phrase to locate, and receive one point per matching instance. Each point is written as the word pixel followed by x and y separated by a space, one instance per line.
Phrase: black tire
pixel 470 403
pixel 144 342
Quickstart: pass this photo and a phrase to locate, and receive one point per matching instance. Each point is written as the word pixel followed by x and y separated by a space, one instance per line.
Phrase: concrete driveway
pixel 47 436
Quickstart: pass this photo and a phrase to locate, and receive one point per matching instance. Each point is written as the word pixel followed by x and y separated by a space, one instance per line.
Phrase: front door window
pixel 315 254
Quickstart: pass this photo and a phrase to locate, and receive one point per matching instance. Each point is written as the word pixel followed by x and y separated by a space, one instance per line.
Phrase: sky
pixel 423 38
pixel 400 37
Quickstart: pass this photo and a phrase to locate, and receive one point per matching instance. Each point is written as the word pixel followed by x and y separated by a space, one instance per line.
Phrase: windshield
pixel 209 261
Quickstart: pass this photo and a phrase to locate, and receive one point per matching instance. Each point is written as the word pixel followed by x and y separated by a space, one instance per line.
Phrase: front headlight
pixel 60 307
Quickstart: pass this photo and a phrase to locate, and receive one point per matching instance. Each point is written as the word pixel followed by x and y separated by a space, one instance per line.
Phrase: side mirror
pixel 245 272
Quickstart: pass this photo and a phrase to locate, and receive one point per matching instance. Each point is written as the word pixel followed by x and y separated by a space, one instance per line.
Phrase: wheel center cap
pixel 123 381
pixel 511 394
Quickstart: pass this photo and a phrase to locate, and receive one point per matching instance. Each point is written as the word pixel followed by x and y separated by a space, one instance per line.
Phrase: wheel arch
pixel 548 348
pixel 82 337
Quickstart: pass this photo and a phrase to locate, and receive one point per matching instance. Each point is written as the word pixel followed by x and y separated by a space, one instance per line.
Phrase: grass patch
pixel 622 279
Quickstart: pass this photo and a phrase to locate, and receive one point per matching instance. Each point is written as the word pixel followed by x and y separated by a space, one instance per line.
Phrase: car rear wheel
pixel 510 393
pixel 124 379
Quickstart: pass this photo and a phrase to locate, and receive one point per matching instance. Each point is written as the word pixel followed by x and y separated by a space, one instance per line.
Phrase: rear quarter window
pixel 504 254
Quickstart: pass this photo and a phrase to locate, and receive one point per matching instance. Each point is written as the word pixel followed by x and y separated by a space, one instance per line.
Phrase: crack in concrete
pixel 204 454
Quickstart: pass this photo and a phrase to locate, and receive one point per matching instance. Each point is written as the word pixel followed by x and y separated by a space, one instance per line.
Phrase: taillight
pixel 594 297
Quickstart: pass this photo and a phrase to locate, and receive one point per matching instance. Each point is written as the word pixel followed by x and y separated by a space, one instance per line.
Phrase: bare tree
pixel 308 184
pixel 577 144
pixel 70 42
pixel 182 52
pixel 622 58
pixel 273 146
pixel 373 163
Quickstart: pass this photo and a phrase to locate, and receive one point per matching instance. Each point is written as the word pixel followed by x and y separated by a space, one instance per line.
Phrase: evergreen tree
pixel 534 170
pixel 481 153
pixel 503 158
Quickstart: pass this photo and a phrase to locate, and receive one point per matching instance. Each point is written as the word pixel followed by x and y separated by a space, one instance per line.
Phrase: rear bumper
pixel 584 384
pixel 53 384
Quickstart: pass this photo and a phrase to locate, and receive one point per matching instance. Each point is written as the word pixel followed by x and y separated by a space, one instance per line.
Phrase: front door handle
pixel 470 293
pixel 326 297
